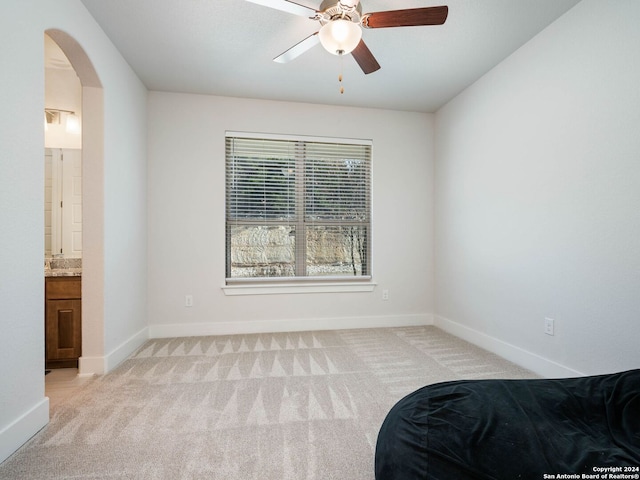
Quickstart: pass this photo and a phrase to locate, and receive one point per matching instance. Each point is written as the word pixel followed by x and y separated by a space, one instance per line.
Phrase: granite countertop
pixel 63 267
pixel 63 272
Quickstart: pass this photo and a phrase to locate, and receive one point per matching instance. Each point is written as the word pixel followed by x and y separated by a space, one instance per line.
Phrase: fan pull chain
pixel 340 75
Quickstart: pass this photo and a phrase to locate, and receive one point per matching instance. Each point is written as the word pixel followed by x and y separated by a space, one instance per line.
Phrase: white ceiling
pixel 226 47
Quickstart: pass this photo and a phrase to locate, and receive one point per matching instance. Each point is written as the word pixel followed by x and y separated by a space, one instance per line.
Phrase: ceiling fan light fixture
pixel 340 36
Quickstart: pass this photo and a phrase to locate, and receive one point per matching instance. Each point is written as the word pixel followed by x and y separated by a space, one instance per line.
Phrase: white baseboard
pixel 273 326
pixel 22 429
pixel 126 348
pixel 531 361
pixel 101 365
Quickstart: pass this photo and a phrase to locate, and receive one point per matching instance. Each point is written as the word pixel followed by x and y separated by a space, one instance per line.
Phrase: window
pixel 297 208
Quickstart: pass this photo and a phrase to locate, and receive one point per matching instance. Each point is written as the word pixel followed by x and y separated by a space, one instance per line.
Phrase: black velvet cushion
pixel 510 429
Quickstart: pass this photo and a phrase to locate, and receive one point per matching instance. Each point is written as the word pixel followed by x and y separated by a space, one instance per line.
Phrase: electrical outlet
pixel 188 300
pixel 385 294
pixel 549 326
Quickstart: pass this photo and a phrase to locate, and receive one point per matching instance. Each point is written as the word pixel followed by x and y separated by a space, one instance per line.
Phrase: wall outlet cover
pixel 549 326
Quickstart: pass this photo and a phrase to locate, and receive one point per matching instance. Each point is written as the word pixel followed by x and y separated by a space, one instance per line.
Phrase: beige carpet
pixel 285 406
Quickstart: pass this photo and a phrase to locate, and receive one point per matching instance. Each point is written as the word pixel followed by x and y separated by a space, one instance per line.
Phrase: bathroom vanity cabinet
pixel 63 321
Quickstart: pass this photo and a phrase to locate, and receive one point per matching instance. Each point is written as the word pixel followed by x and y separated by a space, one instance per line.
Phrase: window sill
pixel 292 288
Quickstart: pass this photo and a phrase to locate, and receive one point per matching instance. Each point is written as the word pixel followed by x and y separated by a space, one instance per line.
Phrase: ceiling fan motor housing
pixel 331 10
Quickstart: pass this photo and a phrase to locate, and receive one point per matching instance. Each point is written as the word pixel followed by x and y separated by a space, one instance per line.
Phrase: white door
pixel 56 201
pixel 72 203
pixel 66 214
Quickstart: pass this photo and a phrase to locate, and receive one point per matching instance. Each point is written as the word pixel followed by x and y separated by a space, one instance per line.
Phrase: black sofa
pixel 514 429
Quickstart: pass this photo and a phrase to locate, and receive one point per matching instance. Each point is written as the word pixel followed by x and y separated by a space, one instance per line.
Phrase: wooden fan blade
pixel 406 18
pixel 287 6
pixel 298 49
pixel 365 58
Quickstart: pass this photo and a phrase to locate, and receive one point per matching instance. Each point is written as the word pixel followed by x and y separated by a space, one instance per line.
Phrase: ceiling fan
pixel 340 31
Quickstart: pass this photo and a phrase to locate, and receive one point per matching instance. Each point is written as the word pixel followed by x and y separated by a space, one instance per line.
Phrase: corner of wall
pixel 104 364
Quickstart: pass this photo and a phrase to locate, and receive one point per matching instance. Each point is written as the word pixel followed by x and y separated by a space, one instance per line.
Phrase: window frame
pixel 299 283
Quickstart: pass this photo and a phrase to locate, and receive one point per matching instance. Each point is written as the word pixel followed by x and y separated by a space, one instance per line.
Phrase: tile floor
pixel 61 384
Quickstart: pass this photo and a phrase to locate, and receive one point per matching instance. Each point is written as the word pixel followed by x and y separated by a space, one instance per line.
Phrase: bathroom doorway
pixel 74 240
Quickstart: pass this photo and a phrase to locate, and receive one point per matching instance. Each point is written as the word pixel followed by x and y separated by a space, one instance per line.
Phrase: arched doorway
pixel 92 359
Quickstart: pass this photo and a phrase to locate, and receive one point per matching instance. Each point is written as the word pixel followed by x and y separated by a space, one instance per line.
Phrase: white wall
pixel 186 217
pixel 23 407
pixel 125 213
pixel 537 197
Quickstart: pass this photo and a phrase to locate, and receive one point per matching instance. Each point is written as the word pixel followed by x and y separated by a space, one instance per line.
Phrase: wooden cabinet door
pixel 63 329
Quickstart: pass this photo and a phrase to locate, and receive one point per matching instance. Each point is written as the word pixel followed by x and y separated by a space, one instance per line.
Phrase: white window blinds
pixel 297 208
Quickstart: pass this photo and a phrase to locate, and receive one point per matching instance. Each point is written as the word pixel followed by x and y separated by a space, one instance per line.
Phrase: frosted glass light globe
pixel 340 37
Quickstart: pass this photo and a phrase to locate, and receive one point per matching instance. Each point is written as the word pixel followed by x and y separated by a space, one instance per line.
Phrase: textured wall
pixel 187 215
pixel 537 194
pixel 23 407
